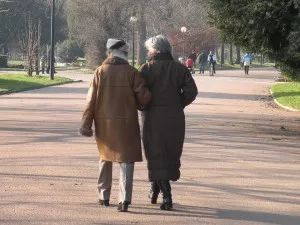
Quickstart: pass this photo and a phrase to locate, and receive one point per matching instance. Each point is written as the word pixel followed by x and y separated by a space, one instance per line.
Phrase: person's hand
pixel 85 132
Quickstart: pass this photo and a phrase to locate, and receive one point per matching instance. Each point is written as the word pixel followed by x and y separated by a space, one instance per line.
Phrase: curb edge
pixel 282 106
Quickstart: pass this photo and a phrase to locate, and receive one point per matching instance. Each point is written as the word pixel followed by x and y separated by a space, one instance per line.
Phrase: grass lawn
pixel 16 82
pixel 287 94
pixel 11 69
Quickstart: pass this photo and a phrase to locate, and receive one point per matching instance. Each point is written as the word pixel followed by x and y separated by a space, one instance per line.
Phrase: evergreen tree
pixel 267 26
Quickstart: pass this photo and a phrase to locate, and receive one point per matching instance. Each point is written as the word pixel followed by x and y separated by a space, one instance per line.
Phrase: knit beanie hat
pixel 117 44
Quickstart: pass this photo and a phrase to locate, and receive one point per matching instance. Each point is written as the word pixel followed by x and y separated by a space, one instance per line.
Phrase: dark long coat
pixel 173 88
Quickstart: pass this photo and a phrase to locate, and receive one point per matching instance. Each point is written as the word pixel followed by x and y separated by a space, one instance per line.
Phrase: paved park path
pixel 241 160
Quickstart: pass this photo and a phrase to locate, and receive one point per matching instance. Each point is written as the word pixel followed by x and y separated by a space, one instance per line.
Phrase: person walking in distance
pixel 212 59
pixel 202 61
pixel 247 62
pixel 193 56
pixel 173 88
pixel 115 93
pixel 43 64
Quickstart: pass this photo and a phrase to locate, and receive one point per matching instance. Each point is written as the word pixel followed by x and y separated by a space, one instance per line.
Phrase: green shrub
pixel 3 61
pixel 68 51
pixel 290 69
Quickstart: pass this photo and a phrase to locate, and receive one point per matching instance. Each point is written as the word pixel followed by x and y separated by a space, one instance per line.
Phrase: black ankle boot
pixel 167 204
pixel 123 206
pixel 154 191
pixel 104 202
pixel 165 188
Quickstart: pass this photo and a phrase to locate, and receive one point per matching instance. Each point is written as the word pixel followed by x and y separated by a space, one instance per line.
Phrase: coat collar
pixel 162 56
pixel 114 60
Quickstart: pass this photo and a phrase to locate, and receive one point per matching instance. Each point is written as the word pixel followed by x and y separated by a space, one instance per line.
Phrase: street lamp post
pixel 133 20
pixel 52 41
pixel 183 30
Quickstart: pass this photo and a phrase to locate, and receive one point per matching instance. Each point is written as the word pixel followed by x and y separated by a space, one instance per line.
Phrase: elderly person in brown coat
pixel 172 88
pixel 115 92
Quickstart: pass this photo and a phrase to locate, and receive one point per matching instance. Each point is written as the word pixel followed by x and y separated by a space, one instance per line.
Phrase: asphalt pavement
pixel 240 165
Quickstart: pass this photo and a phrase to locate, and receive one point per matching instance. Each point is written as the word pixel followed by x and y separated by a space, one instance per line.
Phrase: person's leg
pixel 248 70
pixel 104 182
pixel 48 69
pixel 245 68
pixel 165 188
pixel 125 185
pixel 214 67
pixel 154 192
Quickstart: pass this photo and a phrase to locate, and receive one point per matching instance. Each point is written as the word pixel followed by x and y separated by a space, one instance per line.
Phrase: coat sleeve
pixel 140 89
pixel 189 89
pixel 88 114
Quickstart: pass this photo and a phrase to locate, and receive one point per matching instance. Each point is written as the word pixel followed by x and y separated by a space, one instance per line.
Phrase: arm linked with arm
pixel 140 89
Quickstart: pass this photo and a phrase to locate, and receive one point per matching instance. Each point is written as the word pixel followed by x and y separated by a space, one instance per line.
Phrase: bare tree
pixel 238 55
pixel 222 54
pixel 93 21
pixel 29 40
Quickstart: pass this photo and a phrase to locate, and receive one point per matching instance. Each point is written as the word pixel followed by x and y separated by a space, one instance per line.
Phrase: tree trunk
pixel 37 56
pixel 30 68
pixel 3 59
pixel 217 52
pixel 238 55
pixel 230 55
pixel 222 54
pixel 141 27
pixel 95 54
pixel 37 68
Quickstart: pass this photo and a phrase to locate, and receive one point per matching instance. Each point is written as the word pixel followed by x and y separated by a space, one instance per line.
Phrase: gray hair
pixel 160 43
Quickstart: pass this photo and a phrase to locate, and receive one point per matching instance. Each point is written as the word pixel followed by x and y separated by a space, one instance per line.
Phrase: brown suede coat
pixel 115 92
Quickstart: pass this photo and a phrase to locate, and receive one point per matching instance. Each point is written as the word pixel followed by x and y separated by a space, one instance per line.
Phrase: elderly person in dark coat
pixel 172 88
pixel 115 93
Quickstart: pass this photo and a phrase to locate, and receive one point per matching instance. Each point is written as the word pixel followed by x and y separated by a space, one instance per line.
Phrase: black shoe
pixel 123 206
pixel 165 188
pixel 153 197
pixel 167 204
pixel 104 202
pixel 154 191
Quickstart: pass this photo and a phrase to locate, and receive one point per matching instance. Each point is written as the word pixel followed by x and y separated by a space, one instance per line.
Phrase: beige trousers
pixel 125 180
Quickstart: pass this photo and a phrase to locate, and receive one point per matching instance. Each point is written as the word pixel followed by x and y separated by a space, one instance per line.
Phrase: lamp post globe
pixel 183 29
pixel 133 19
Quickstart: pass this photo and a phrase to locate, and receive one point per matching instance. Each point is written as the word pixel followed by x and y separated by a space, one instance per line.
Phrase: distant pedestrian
pixel 190 65
pixel 193 56
pixel 173 88
pixel 247 62
pixel 43 64
pixel 49 61
pixel 115 92
pixel 202 62
pixel 212 59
